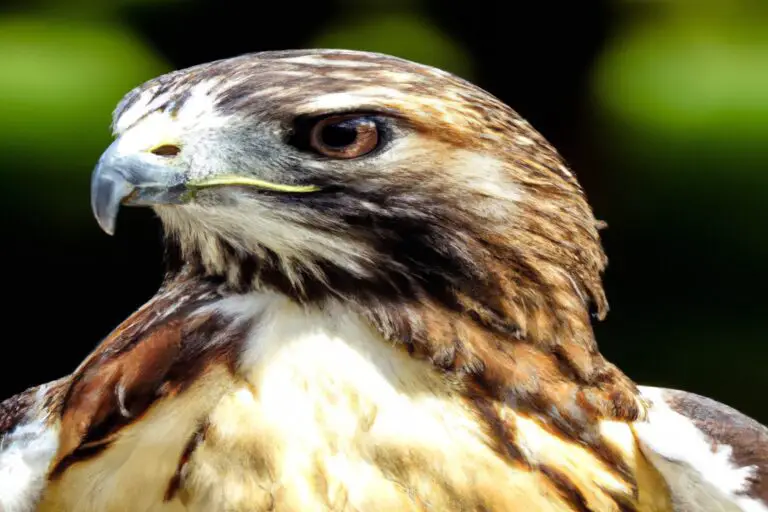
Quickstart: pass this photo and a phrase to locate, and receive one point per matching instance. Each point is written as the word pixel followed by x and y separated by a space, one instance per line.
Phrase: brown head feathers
pixel 466 239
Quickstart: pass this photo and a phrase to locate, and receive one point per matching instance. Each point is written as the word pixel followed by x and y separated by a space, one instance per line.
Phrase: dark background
pixel 660 107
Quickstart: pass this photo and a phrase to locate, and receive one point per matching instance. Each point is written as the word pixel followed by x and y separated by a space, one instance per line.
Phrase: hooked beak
pixel 144 179
pixel 133 179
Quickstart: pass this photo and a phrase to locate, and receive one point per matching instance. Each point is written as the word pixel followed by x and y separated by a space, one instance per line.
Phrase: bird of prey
pixel 379 294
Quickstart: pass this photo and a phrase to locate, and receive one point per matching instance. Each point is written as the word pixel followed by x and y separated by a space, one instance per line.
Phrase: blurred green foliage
pixel 691 71
pixel 402 32
pixel 88 8
pixel 60 81
pixel 681 90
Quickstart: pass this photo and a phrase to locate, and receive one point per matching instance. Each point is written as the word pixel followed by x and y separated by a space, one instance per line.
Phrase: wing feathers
pixel 28 443
pixel 160 350
pixel 712 456
pixel 108 394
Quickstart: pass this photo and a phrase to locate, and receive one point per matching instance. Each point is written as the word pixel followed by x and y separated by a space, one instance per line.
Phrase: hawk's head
pixel 393 186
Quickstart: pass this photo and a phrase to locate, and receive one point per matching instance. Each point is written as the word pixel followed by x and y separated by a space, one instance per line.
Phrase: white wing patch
pixel 25 456
pixel 700 472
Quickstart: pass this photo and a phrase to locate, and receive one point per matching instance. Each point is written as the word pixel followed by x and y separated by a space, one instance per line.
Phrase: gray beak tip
pixel 108 189
pixel 107 227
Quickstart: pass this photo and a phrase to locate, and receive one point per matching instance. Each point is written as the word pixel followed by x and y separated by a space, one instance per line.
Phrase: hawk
pixel 379 296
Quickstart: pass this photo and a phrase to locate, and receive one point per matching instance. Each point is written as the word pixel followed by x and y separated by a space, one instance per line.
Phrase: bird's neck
pixel 327 394
pixel 512 322
pixel 293 394
pixel 537 354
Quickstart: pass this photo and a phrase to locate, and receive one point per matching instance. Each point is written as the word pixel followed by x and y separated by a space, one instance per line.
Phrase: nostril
pixel 166 150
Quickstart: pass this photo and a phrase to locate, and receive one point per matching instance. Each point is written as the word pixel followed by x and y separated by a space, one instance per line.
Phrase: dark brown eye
pixel 166 150
pixel 344 136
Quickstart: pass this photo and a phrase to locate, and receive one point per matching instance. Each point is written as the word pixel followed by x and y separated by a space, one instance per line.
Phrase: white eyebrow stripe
pixel 134 113
pixel 198 99
pixel 340 100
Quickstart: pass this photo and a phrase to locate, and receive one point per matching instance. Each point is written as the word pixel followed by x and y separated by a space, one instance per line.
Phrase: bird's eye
pixel 166 150
pixel 344 136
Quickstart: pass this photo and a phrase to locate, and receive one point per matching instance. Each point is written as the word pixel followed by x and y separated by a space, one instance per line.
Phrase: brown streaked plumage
pixel 403 328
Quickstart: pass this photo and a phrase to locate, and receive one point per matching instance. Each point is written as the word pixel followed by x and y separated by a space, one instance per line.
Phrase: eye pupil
pixel 343 137
pixel 339 135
